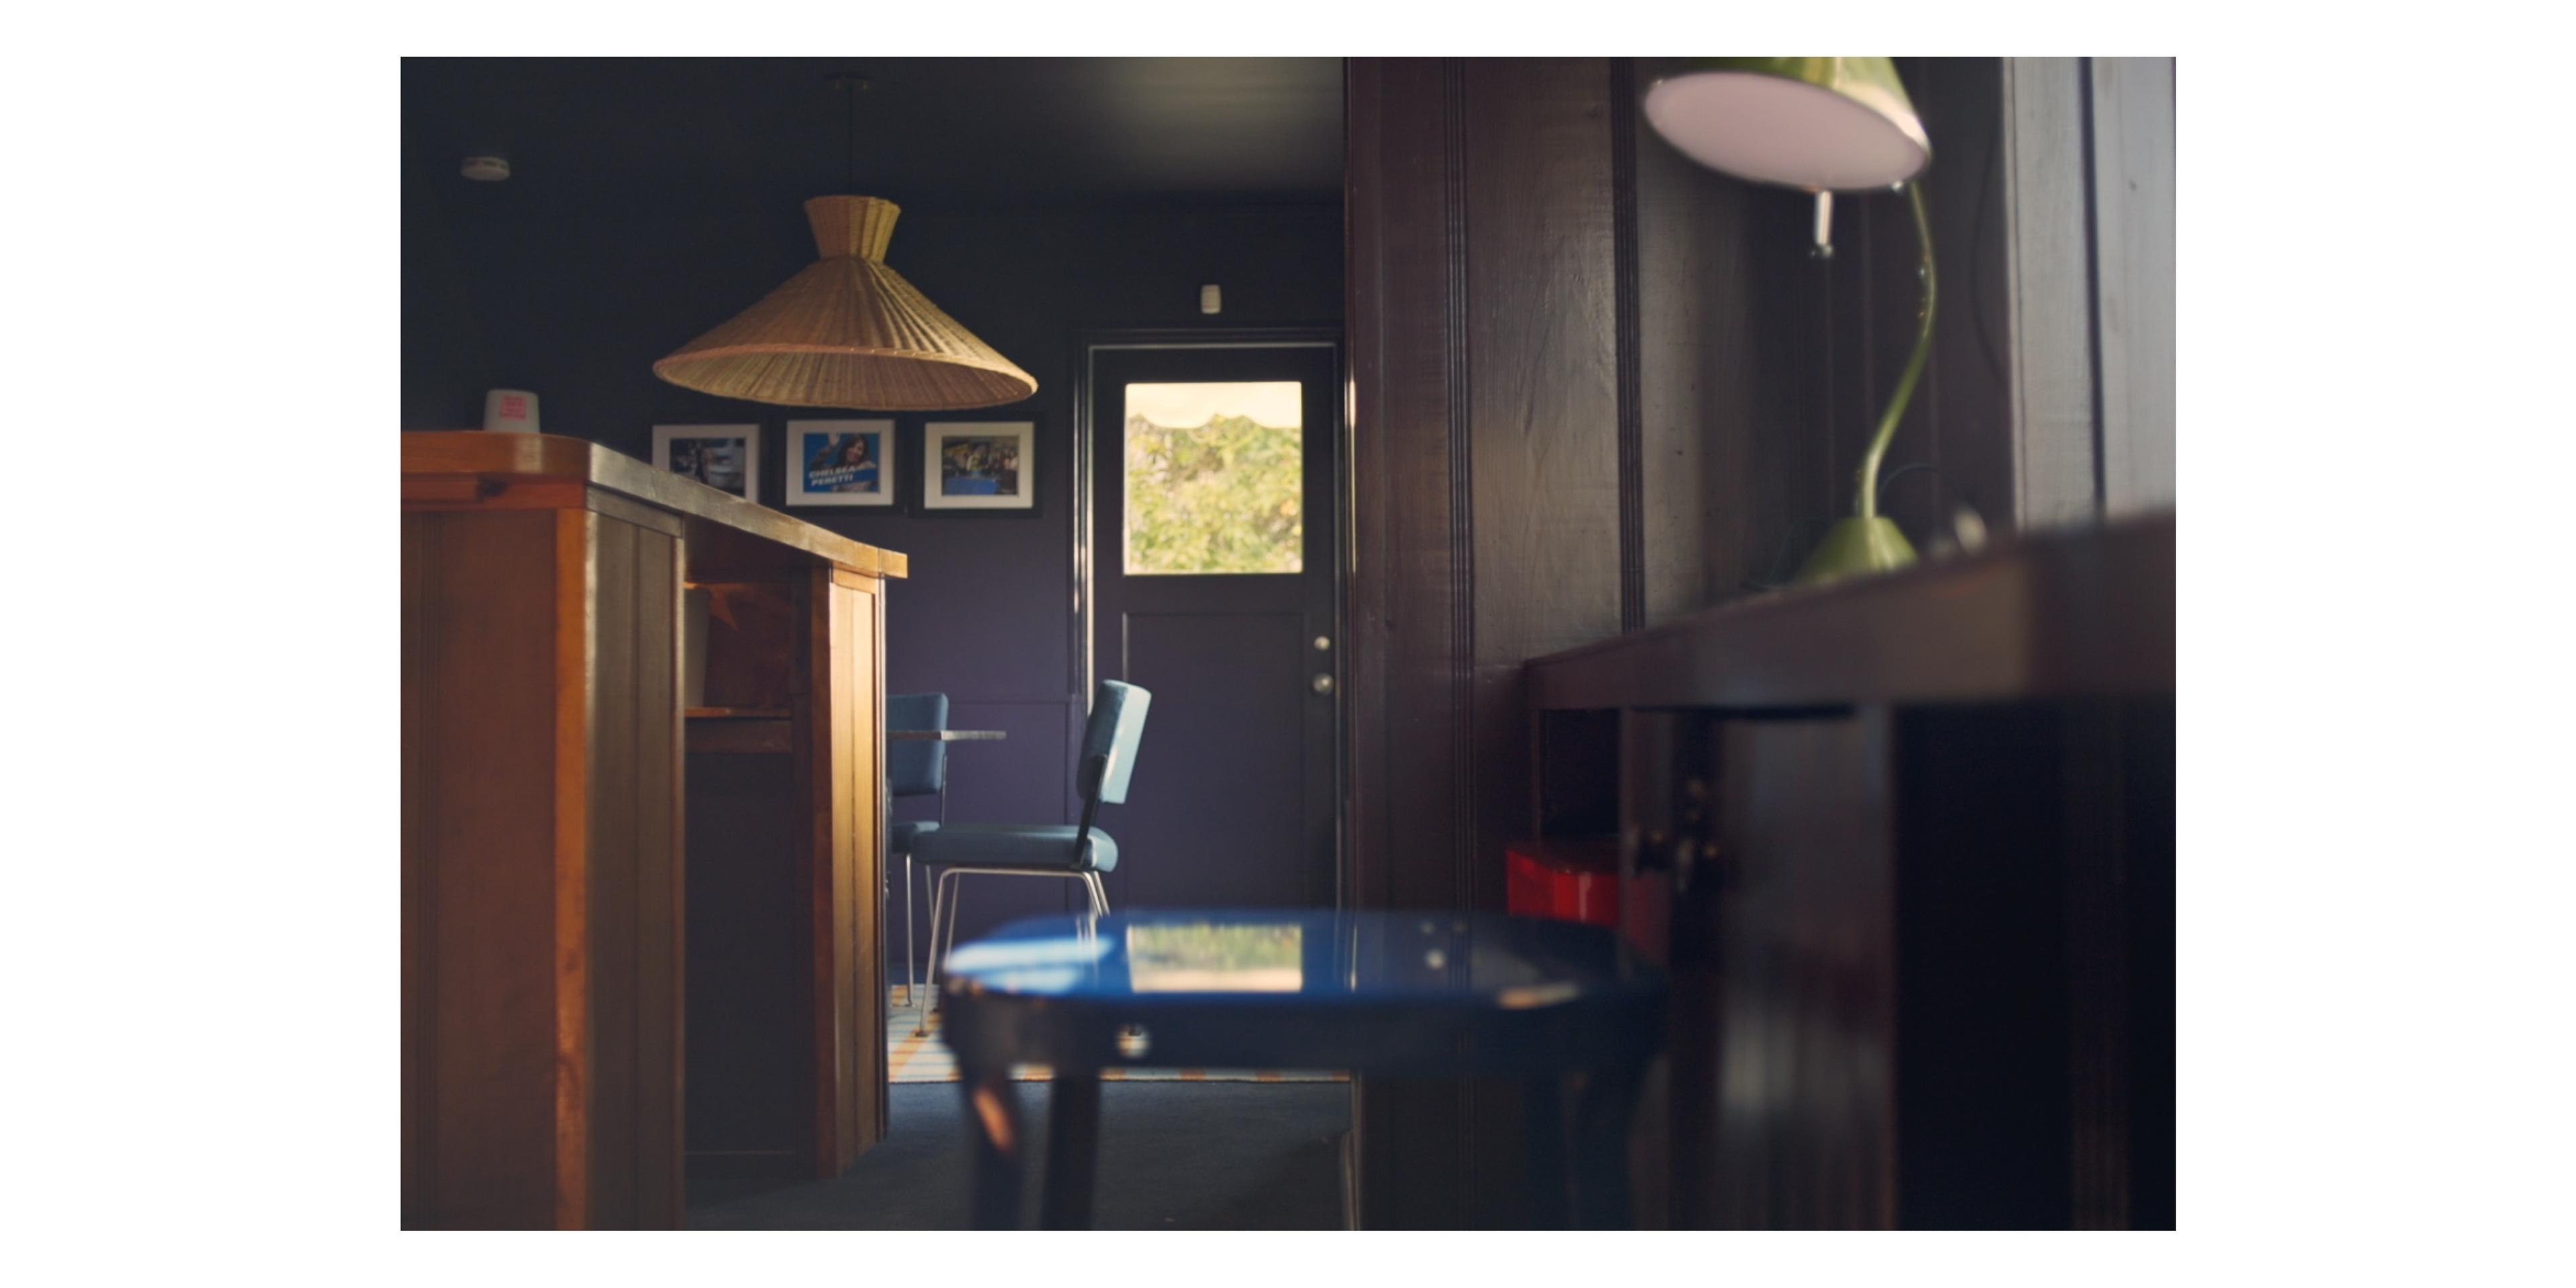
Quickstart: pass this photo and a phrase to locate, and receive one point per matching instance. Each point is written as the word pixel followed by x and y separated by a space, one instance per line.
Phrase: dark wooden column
pixel 1483 317
pixel 1409 842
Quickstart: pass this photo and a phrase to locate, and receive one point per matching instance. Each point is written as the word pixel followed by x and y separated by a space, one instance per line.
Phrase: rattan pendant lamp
pixel 848 331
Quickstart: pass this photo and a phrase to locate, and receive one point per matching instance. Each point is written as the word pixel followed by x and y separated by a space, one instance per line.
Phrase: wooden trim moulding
pixel 552 471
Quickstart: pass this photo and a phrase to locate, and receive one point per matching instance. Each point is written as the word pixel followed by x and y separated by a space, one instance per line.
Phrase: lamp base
pixel 1856 548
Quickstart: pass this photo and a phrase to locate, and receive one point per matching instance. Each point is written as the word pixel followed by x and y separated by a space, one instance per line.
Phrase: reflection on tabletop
pixel 1487 959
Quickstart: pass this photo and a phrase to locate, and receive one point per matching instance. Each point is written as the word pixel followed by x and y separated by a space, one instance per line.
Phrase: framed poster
pixel 840 462
pixel 724 457
pixel 978 466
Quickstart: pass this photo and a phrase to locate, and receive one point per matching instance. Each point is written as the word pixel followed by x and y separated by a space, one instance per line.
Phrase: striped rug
pixel 926 1059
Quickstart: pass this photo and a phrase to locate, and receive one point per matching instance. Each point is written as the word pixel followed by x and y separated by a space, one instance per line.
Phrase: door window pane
pixel 1215 478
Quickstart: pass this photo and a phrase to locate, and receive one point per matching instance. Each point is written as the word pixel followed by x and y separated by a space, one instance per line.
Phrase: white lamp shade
pixel 1775 129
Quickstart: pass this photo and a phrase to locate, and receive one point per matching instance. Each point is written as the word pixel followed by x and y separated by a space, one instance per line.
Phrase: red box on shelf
pixel 1565 879
pixel 1578 880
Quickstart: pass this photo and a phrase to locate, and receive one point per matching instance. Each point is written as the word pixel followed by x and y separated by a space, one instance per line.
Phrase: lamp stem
pixel 1868 499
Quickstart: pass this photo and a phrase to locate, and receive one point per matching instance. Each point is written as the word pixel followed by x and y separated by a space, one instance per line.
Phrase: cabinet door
pixel 1783 959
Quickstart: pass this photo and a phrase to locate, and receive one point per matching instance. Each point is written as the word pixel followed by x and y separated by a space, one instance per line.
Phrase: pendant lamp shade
pixel 848 332
pixel 1816 124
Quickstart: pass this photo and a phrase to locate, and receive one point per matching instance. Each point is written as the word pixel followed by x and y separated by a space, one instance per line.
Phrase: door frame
pixel 1089 342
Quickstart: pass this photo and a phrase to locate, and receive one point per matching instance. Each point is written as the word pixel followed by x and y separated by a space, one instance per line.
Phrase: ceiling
pixel 929 130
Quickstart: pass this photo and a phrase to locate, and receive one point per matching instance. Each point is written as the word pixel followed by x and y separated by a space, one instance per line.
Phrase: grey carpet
pixel 1173 1156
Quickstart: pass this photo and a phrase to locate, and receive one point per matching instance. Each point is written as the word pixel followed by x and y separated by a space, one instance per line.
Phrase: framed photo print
pixel 840 462
pixel 978 466
pixel 724 457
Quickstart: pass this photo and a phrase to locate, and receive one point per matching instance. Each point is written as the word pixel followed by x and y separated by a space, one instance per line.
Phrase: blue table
pixel 1394 994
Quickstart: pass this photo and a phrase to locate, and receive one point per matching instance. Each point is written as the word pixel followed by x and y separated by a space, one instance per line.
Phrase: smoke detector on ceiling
pixel 487 169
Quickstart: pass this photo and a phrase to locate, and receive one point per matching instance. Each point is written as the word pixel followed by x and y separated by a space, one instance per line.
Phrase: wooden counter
pixel 1907 845
pixel 563 901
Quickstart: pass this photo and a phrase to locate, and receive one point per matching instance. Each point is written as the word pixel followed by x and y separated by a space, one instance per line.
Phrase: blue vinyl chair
pixel 1079 852
pixel 914 769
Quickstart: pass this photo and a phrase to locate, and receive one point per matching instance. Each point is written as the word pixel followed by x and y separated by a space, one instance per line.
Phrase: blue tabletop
pixel 1297 989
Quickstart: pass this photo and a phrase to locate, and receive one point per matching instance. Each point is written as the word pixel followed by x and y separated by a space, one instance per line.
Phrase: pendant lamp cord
pixel 849 83
pixel 1868 499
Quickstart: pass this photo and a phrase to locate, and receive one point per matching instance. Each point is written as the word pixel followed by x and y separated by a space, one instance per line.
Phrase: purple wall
pixel 573 295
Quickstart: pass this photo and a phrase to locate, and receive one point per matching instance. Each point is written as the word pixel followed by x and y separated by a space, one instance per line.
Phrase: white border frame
pixel 887 477
pixel 938 432
pixel 749 434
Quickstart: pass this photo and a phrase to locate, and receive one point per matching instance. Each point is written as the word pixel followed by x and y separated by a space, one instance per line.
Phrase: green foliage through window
pixel 1214 498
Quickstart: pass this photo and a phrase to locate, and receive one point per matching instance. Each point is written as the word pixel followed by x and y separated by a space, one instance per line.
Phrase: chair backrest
pixel 916 768
pixel 1117 725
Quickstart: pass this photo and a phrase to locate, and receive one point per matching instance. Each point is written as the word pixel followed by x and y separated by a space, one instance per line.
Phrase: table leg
pixel 994 1131
pixel 1601 1115
pixel 1544 1101
pixel 1073 1147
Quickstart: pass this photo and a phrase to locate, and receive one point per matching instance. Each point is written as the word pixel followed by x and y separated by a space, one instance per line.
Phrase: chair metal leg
pixel 943 939
pixel 1099 893
pixel 921 1007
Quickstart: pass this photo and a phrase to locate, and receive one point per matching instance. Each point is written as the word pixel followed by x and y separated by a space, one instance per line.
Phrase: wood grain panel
pixel 1543 407
pixel 1405 596
pixel 1969 380
pixel 634 944
pixel 844 810
pixel 1541 327
pixel 615 992
pixel 420 786
pixel 2047 266
pixel 2133 205
pixel 661 967
pixel 479 656
pixel 1732 379
pixel 1628 341
pixel 1407 592
pixel 574 698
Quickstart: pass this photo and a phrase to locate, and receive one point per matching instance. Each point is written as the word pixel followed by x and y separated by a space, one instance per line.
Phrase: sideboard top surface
pixel 488 462
pixel 2060 615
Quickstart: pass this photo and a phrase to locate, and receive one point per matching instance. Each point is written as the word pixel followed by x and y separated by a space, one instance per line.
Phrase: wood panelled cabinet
pixel 1907 848
pixel 579 945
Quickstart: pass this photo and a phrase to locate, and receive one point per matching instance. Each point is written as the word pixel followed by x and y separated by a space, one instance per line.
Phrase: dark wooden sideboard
pixel 1907 846
pixel 635 928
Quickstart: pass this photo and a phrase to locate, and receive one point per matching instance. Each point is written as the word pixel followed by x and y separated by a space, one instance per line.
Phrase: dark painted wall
pixel 571 293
